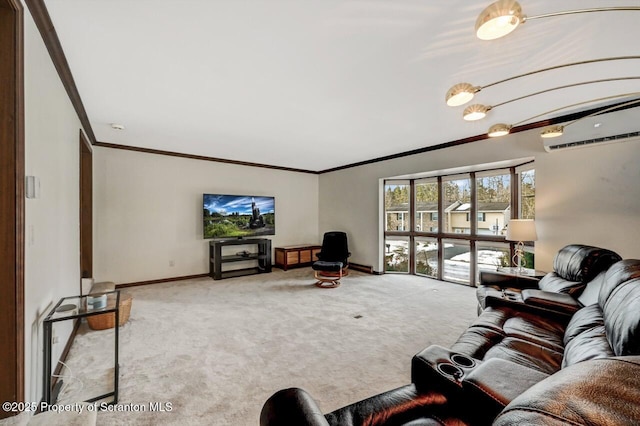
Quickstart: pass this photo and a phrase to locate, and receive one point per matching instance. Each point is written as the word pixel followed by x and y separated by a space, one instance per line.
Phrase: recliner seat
pixel 609 327
pixel 575 265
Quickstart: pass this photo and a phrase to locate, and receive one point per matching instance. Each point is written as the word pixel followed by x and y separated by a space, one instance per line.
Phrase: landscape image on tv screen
pixel 237 216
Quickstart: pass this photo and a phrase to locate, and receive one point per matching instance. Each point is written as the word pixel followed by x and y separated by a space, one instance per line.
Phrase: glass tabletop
pixel 84 305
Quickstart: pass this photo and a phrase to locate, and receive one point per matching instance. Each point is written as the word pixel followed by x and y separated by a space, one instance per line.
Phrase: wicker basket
pixel 104 321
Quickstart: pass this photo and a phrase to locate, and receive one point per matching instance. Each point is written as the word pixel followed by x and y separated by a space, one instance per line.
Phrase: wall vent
pixel 590 142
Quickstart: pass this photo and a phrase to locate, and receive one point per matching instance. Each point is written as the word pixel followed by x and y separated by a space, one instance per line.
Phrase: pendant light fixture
pixel 503 129
pixel 504 16
pixel 478 112
pixel 462 93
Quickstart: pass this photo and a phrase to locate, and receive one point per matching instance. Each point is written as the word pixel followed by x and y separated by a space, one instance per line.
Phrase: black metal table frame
pixel 81 312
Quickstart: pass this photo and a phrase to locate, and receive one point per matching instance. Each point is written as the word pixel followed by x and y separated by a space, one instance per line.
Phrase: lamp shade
pixel 460 94
pixel 499 19
pixel 552 132
pixel 521 230
pixel 498 130
pixel 475 112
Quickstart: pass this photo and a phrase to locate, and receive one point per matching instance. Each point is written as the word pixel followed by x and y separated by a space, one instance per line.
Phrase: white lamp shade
pixel 521 230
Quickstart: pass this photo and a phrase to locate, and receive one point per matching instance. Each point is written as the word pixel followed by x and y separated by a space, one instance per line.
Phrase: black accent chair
pixel 333 260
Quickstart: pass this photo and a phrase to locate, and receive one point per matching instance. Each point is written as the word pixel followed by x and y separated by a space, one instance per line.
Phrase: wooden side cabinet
pixel 296 256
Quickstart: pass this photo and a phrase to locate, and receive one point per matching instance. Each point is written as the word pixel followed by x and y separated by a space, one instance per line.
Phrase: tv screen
pixel 238 216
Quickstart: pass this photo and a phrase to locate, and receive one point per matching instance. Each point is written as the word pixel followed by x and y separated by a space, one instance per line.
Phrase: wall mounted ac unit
pixel 612 127
pixel 551 146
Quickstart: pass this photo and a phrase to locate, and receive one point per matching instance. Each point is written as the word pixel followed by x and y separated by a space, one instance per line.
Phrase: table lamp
pixel 521 230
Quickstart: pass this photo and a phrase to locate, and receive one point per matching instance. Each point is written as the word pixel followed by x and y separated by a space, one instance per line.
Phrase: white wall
pixel 588 195
pixel 52 248
pixel 148 211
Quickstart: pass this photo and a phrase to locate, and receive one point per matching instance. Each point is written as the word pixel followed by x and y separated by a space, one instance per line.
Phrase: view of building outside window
pixel 457 202
pixel 396 206
pixel 494 204
pixel 426 206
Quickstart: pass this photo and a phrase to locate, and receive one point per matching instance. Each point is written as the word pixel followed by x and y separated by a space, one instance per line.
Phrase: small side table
pixel 528 278
pixel 80 311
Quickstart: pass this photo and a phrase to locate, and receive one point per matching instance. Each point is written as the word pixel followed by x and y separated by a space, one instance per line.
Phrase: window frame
pixel 473 237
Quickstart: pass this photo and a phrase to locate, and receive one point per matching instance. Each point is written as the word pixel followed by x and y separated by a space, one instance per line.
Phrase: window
pixel 457 261
pixel 527 193
pixel 396 204
pixel 482 217
pixel 396 255
pixel 427 257
pixel 491 256
pixel 426 205
pixel 493 195
pixel 457 201
pixel 451 227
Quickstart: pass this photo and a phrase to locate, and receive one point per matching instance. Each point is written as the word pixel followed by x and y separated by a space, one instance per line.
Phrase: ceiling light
pixel 498 130
pixel 504 16
pixel 462 93
pixel 502 129
pixel 475 112
pixel 478 112
pixel 552 132
pixel 499 19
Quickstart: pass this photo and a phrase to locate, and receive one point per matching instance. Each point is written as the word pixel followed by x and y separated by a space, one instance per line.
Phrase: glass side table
pixel 75 308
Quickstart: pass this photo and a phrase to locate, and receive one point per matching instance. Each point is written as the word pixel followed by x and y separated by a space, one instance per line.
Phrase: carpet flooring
pixel 211 352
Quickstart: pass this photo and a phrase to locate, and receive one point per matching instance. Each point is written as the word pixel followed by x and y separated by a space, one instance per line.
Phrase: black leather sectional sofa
pixel 559 357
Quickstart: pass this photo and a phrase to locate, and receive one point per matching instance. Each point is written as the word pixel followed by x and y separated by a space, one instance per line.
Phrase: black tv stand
pixel 262 258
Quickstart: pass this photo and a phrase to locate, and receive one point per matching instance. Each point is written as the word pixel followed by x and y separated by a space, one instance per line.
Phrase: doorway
pixel 11 203
pixel 86 209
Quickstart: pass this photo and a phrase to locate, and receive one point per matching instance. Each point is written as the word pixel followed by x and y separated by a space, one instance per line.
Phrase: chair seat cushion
pixel 322 265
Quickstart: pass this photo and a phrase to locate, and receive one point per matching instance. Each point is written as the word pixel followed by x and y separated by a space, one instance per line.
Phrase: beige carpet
pixel 216 350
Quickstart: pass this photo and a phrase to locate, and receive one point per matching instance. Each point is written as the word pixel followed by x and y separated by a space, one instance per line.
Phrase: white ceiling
pixel 317 84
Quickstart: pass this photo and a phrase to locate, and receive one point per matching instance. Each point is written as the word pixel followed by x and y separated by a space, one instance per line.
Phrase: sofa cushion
pixel 527 354
pixel 509 334
pixel 585 319
pixel 618 273
pixel 590 344
pixel 622 318
pixel 591 292
pixel 555 283
pixel 541 331
pixel 581 263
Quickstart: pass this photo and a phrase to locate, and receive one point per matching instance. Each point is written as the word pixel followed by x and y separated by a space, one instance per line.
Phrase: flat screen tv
pixel 238 216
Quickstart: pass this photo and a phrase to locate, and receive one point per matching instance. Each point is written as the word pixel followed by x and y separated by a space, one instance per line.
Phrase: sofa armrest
pixel 292 406
pixel 555 301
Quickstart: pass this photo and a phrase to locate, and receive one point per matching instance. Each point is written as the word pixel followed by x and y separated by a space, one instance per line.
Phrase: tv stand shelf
pixel 216 258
